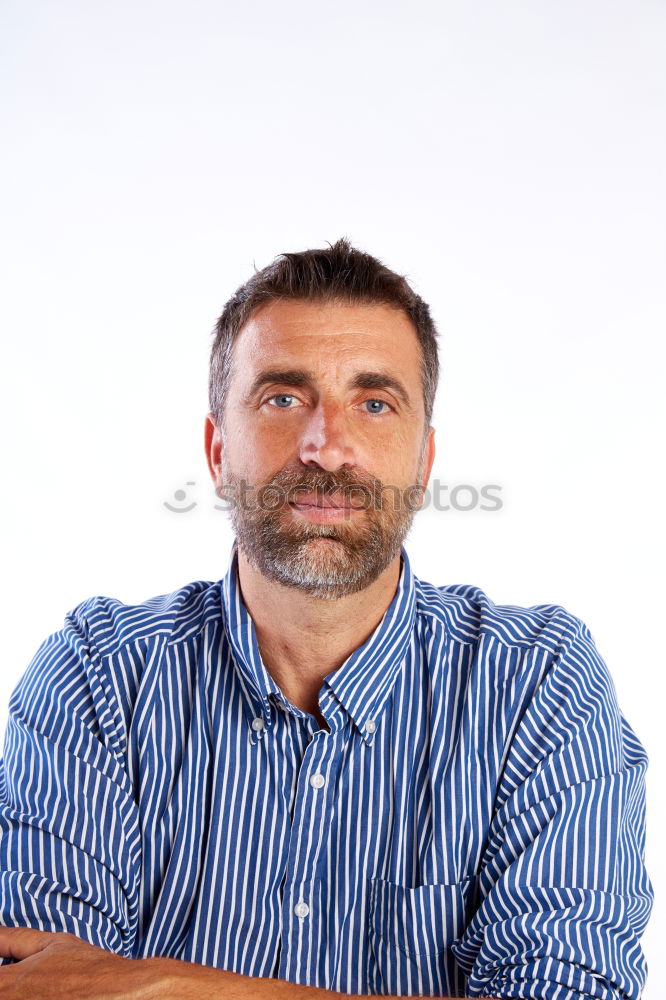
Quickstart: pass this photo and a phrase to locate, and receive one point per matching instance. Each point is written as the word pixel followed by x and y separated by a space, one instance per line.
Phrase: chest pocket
pixel 410 932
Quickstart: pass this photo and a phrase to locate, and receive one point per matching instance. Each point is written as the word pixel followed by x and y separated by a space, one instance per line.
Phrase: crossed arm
pixel 560 916
pixel 60 966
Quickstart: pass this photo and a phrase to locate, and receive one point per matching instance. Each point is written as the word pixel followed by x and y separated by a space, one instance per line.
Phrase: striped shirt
pixel 471 822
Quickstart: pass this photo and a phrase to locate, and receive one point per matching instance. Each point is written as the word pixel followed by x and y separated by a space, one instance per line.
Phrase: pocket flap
pixel 422 920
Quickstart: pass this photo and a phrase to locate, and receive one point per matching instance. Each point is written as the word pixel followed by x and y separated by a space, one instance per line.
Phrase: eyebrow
pixel 300 377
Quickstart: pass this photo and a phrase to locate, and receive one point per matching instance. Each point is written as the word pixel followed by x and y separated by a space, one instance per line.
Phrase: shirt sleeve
pixel 563 890
pixel 69 824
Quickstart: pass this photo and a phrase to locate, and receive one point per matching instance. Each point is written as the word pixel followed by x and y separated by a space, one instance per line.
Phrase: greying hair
pixel 340 273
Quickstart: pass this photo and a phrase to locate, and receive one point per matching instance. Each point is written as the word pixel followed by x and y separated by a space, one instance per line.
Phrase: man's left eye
pixel 382 402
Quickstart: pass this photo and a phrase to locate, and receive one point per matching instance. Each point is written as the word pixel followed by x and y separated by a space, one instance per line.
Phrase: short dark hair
pixel 340 273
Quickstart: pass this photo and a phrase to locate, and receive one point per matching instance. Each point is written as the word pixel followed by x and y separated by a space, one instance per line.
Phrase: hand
pixel 59 966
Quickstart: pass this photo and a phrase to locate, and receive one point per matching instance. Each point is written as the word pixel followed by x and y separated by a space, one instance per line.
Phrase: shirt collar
pixel 362 684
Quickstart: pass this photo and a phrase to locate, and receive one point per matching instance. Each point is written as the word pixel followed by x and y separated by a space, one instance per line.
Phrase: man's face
pixel 321 437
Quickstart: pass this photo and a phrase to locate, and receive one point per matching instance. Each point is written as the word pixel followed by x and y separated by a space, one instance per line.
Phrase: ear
pixel 428 457
pixel 213 444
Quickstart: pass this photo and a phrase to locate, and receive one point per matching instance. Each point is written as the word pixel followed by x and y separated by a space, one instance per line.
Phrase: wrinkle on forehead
pixel 290 334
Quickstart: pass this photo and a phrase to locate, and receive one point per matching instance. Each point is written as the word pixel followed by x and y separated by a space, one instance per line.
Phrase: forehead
pixel 329 333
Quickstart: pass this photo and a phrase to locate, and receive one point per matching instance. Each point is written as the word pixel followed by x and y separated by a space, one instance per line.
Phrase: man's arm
pixel 564 892
pixel 176 980
pixel 70 845
pixel 56 966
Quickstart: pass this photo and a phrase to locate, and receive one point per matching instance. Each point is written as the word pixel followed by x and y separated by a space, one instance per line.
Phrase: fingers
pixel 21 942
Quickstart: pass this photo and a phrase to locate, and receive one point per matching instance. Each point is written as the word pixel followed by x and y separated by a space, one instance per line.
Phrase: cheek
pixel 256 456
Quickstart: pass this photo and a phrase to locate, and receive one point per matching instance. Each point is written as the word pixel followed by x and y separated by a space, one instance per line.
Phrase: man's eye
pixel 282 396
pixel 381 401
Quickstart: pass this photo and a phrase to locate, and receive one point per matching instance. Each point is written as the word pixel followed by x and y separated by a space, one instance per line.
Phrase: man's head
pixel 323 376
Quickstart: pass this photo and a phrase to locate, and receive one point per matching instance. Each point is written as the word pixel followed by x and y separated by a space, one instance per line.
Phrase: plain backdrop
pixel 509 159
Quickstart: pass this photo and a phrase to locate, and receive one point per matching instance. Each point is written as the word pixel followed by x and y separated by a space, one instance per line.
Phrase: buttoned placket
pixel 313 809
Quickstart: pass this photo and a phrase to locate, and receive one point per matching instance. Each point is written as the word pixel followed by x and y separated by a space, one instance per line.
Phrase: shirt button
pixel 370 726
pixel 301 909
pixel 317 780
pixel 257 724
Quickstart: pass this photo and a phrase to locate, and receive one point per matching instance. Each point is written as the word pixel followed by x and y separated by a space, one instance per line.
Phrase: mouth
pixel 322 503
pixel 324 510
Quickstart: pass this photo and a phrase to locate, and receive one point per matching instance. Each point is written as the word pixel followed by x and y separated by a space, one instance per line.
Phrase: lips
pixel 311 500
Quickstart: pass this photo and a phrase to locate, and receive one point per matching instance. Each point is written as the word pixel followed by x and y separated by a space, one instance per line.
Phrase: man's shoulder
pixel 470 616
pixel 112 623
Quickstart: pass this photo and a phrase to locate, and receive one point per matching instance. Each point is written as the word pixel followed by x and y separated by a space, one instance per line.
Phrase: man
pixel 321 776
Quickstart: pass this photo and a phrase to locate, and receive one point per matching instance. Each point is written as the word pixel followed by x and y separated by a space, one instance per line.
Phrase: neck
pixel 303 638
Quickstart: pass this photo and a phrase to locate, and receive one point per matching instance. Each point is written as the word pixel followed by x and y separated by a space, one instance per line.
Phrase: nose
pixel 326 439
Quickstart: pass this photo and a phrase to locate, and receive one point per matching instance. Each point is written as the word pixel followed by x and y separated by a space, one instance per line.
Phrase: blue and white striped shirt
pixel 472 824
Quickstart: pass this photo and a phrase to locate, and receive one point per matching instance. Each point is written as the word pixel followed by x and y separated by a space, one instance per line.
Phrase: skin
pixel 317 592
pixel 54 965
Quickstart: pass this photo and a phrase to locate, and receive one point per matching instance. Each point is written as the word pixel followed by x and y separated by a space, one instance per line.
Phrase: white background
pixel 509 158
